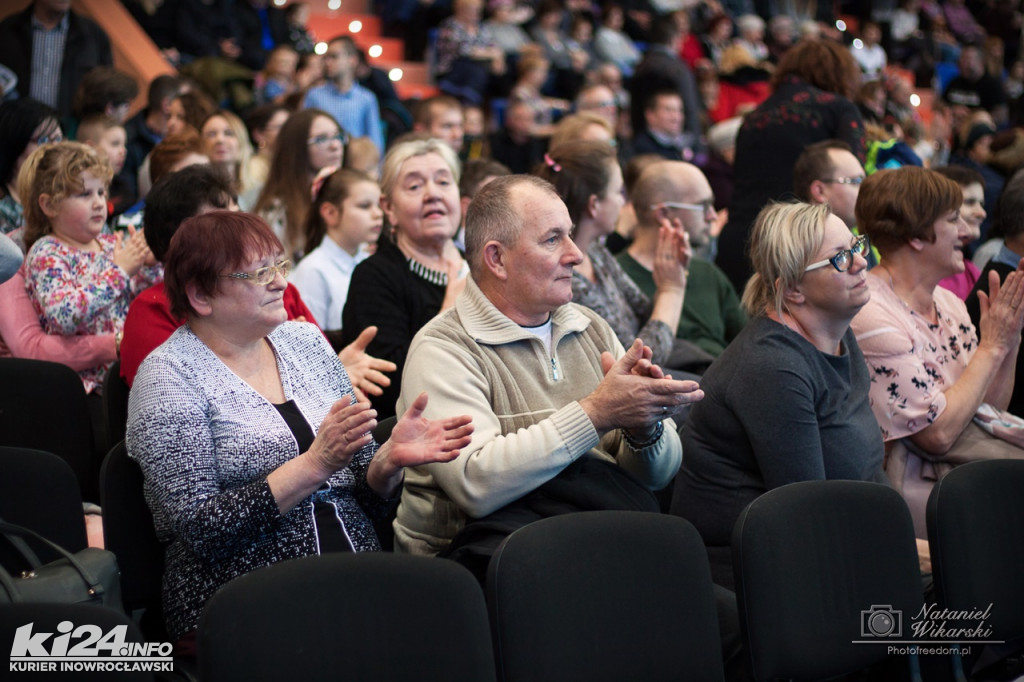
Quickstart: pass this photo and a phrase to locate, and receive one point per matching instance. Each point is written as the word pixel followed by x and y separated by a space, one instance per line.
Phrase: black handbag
pixel 90 576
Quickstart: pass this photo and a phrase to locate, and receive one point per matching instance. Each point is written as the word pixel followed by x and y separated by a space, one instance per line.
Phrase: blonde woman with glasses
pixel 788 399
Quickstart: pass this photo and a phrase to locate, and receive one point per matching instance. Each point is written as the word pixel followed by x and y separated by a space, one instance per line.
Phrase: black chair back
pixel 47 618
pixel 42 406
pixel 604 596
pixel 368 616
pixel 129 533
pixel 819 567
pixel 976 536
pixel 39 491
pixel 115 403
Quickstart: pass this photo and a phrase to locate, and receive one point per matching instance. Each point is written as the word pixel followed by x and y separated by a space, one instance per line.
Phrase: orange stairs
pixel 329 18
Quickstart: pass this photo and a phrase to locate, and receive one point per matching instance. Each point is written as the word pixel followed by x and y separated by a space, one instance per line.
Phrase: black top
pixel 1016 405
pixel 768 145
pixel 985 93
pixel 520 158
pixel 330 529
pixel 385 292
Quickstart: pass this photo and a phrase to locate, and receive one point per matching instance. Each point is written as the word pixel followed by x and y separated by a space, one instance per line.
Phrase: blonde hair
pixel 241 173
pixel 55 170
pixel 571 127
pixel 784 241
pixel 362 155
pixel 407 149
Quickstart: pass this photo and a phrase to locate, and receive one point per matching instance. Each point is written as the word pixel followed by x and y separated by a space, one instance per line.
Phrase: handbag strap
pixel 7 583
pixel 19 532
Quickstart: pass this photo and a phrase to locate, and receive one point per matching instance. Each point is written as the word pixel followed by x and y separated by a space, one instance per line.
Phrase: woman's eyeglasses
pixel 842 260
pixel 321 140
pixel 265 275
pixel 48 138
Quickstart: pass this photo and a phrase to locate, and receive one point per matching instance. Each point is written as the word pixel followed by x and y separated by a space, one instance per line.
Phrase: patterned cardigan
pixel 206 441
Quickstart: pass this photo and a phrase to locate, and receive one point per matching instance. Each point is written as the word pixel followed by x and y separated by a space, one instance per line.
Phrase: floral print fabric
pixel 79 292
pixel 912 361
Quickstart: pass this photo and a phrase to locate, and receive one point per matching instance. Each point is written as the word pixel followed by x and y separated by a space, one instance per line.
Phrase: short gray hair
pixel 492 217
pixel 403 151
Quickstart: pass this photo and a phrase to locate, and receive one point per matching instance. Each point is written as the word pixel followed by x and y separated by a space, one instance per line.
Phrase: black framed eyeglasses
pixel 844 259
pixel 265 275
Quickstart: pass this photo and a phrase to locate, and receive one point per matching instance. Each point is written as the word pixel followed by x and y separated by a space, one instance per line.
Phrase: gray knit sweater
pixel 206 441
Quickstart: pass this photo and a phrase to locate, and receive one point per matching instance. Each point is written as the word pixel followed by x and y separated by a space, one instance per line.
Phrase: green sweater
pixel 524 401
pixel 712 316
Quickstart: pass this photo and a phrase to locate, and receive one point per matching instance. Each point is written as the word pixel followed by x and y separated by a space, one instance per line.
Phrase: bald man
pixel 677 194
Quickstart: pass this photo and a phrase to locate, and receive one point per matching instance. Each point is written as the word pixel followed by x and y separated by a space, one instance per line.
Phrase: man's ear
pixel 200 302
pixel 818 189
pixel 494 259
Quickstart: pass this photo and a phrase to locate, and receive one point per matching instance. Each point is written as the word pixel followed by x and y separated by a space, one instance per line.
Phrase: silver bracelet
pixel 640 445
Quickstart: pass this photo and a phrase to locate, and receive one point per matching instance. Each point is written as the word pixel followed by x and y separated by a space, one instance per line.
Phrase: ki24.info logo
pixel 86 648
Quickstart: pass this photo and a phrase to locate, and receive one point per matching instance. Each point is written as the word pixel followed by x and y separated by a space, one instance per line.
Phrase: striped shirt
pixel 47 60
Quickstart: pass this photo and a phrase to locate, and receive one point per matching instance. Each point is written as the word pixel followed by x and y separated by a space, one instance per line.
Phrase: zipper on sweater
pixel 554 370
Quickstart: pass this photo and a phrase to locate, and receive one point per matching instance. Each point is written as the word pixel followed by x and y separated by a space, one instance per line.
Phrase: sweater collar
pixel 488 325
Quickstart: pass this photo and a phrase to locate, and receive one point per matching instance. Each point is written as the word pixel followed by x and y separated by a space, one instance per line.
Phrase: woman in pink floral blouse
pixel 930 374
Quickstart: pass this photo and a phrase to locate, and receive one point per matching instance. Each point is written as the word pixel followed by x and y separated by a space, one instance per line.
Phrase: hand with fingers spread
pixel 366 372
pixel 635 394
pixel 1002 311
pixel 414 441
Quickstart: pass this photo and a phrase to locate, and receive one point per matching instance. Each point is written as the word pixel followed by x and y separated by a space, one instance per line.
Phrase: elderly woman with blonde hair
pixel 417 271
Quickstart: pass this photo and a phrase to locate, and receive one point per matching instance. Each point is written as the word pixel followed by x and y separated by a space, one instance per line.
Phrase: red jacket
pixel 149 323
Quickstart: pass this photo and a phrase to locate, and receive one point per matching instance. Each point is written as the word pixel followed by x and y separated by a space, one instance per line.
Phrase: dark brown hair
pixel 825 64
pixel 578 170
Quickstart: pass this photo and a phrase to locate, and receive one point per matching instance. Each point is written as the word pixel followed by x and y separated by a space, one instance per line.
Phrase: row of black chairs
pixel 601 595
pixel 43 406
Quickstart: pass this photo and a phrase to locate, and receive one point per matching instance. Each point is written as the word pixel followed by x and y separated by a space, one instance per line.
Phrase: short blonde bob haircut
pixel 784 241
